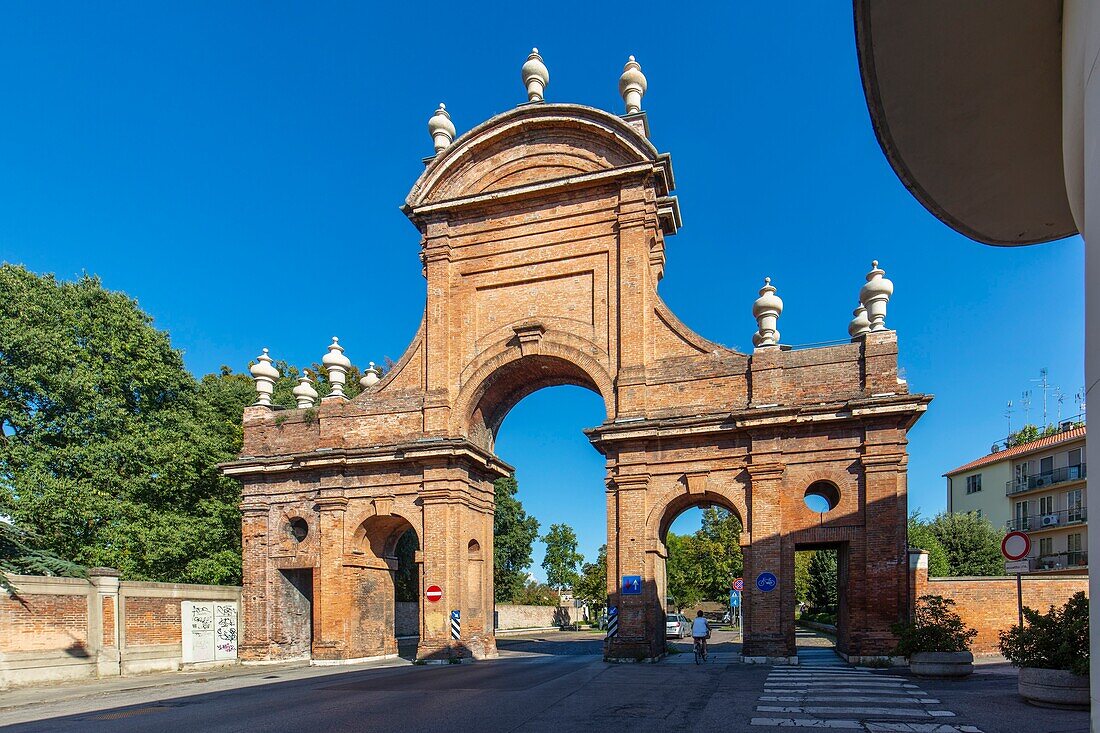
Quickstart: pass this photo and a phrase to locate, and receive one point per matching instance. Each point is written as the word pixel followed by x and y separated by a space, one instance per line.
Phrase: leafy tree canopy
pixel 922 537
pixel 822 590
pixel 513 533
pixel 109 446
pixel 702 566
pixel 562 559
pixel 534 593
pixel 19 556
pixel 592 585
pixel 972 545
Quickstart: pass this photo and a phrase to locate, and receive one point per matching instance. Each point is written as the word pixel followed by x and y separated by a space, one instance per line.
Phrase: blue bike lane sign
pixel 766 582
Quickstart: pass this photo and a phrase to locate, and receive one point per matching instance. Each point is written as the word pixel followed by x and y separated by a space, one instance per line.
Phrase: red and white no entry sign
pixel 433 593
pixel 1016 546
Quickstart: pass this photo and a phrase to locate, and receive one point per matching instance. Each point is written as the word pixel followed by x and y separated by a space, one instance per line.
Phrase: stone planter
pixel 1054 688
pixel 941 664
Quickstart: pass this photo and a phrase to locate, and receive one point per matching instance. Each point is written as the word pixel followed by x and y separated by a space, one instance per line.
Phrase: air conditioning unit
pixel 1050 520
pixel 1040 481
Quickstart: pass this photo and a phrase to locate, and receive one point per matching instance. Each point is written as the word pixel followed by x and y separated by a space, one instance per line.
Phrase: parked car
pixel 677 625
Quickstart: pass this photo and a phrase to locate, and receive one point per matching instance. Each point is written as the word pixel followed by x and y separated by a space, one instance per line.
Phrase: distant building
pixel 1044 494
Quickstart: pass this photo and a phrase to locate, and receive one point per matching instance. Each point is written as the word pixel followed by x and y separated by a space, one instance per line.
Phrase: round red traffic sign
pixel 739 584
pixel 433 593
pixel 1016 546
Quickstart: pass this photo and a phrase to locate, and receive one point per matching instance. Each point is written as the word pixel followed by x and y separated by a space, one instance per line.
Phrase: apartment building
pixel 1039 488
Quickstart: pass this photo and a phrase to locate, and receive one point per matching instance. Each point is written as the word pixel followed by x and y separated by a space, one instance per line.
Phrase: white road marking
pixel 840 710
pixel 845 698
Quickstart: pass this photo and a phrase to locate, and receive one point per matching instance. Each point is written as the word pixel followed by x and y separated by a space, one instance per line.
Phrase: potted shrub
pixel 1052 652
pixel 936 641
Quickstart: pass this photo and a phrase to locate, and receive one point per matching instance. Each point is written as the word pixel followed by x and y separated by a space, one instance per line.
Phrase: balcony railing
pixel 1063 518
pixel 1048 478
pixel 1061 560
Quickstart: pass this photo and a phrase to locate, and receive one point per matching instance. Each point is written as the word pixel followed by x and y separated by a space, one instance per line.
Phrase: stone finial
pixel 337 365
pixel 535 76
pixel 370 376
pixel 264 374
pixel 304 393
pixel 874 295
pixel 632 86
pixel 441 128
pixel 766 310
pixel 859 325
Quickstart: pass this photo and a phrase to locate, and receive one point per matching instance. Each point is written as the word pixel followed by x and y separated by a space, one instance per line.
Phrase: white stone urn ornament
pixel 536 77
pixel 441 128
pixel 337 365
pixel 767 310
pixel 874 295
pixel 860 325
pixel 304 393
pixel 371 377
pixel 264 374
pixel 632 86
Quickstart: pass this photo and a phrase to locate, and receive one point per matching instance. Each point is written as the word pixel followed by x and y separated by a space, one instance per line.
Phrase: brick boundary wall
pixel 989 604
pixel 511 616
pixel 59 629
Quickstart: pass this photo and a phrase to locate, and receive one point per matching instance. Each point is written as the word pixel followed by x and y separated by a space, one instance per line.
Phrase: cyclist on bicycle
pixel 700 632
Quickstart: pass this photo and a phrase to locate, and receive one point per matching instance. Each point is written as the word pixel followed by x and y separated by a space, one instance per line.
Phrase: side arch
pixel 686 493
pixel 504 374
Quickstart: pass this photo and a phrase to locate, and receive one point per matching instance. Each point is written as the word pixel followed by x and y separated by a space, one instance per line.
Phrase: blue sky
pixel 239 170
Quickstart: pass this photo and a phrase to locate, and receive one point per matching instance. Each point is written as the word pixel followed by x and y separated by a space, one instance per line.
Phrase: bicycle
pixel 697 647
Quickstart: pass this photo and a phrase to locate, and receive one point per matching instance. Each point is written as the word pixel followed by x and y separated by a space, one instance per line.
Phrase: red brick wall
pixel 152 621
pixel 43 623
pixel 989 604
pixel 109 621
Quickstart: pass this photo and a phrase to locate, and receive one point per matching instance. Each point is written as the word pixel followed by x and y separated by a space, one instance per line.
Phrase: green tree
pixel 110 448
pixel 823 581
pixel 683 570
pixel 534 593
pixel 719 552
pixel 972 545
pixel 18 556
pixel 802 576
pixel 561 559
pixel 592 585
pixel 513 534
pixel 1030 432
pixel 406 581
pixel 921 536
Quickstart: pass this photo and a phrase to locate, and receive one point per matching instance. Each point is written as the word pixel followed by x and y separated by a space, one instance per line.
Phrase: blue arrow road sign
pixel 632 585
pixel 766 582
pixel 735 599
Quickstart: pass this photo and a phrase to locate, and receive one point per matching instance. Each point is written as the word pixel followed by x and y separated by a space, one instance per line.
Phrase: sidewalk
pixel 238 676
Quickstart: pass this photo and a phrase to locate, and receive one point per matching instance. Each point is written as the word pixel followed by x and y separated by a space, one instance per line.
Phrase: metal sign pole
pixel 1020 599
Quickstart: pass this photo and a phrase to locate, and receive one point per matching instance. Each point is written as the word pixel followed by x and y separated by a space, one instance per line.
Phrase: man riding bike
pixel 700 632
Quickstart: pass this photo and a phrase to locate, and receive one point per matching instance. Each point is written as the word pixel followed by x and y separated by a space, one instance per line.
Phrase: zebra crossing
pixel 825 693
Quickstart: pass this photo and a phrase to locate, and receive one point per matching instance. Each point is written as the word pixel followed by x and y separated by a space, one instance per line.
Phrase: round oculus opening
pixel 822 496
pixel 298 528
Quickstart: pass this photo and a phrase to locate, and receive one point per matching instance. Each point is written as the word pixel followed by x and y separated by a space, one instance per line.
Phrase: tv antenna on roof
pixel 1079 398
pixel 1008 416
pixel 1059 398
pixel 1025 400
pixel 1044 385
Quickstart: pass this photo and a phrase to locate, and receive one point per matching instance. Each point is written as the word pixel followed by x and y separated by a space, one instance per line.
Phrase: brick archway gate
pixel 543 241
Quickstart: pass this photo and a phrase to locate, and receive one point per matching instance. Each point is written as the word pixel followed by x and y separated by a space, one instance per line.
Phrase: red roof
pixel 1050 440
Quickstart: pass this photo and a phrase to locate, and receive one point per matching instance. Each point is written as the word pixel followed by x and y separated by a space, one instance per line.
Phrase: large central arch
pixel 543 239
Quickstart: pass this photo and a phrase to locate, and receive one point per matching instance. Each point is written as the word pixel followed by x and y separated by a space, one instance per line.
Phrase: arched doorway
pixel 385 588
pixel 560 480
pixel 700 539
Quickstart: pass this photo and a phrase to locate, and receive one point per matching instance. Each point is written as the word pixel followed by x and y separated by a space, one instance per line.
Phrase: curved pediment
pixel 529 145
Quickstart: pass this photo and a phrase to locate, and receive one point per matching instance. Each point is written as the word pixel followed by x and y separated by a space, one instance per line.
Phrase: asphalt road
pixel 554 682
